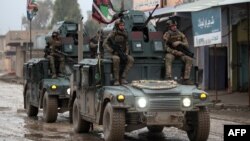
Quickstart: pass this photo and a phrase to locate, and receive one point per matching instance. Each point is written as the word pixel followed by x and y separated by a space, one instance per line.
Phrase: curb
pixel 221 105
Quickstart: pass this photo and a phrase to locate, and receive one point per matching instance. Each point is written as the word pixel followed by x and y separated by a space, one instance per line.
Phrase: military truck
pixel 40 90
pixel 148 101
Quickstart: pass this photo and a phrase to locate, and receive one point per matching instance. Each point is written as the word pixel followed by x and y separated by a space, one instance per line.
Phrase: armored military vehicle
pixel 40 90
pixel 148 101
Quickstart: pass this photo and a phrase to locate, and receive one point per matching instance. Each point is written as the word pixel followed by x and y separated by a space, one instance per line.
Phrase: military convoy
pixel 87 91
pixel 40 90
pixel 148 101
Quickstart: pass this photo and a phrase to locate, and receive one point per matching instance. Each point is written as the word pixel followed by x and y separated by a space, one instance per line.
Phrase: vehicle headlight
pixel 120 98
pixel 142 102
pixel 186 102
pixel 68 91
pixel 203 96
pixel 53 87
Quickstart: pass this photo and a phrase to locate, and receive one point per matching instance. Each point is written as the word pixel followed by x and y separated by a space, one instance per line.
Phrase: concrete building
pixel 18 44
pixel 2 55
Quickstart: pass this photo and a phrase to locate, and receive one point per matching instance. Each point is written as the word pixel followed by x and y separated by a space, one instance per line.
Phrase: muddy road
pixel 16 126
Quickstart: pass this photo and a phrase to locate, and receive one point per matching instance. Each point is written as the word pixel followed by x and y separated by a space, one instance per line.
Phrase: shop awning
pixel 166 11
pixel 189 7
pixel 228 2
pixel 194 6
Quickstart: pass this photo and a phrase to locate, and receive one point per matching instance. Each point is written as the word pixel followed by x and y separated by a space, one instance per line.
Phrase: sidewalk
pixel 10 78
pixel 233 100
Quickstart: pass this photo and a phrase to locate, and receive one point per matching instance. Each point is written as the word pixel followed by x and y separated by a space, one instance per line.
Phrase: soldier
pixel 117 44
pixel 93 44
pixel 174 38
pixel 55 44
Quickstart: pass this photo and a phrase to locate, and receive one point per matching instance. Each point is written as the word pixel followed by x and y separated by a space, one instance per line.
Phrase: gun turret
pixel 150 16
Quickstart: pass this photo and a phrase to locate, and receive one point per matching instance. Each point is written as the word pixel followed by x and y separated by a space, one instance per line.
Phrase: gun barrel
pixel 150 16
pixel 185 50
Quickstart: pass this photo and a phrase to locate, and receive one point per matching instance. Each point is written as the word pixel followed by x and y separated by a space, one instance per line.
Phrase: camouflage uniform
pixel 119 38
pixel 173 38
pixel 93 45
pixel 55 44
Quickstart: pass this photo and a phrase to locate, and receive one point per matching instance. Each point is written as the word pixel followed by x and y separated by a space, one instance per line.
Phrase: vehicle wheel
pixel 70 115
pixel 80 125
pixel 198 125
pixel 155 128
pixel 50 108
pixel 30 109
pixel 113 123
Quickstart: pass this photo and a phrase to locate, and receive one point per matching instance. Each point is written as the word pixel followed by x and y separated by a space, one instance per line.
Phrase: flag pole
pixel 30 46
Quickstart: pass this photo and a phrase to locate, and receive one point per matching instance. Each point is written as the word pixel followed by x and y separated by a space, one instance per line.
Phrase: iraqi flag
pixel 103 11
pixel 32 9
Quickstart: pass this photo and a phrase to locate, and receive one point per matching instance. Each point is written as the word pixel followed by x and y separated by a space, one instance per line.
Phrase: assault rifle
pixel 118 49
pixel 184 50
pixel 47 51
pixel 65 55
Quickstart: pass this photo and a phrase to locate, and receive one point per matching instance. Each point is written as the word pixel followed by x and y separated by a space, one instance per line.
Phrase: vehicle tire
pixel 113 123
pixel 70 115
pixel 30 109
pixel 50 108
pixel 155 128
pixel 198 125
pixel 80 125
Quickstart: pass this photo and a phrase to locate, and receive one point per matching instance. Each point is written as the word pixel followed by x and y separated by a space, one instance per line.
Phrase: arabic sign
pixel 207 26
pixel 145 5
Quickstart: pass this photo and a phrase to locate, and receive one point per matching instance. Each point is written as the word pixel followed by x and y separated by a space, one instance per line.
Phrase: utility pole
pixel 80 40
pixel 30 44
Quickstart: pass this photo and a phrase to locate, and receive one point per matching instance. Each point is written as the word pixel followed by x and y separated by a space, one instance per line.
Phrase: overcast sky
pixel 11 12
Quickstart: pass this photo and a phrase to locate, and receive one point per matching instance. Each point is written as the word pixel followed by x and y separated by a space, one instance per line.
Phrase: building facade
pixel 18 48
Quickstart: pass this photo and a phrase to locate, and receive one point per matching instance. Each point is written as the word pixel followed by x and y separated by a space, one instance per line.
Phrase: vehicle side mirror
pixel 84 76
pixel 88 76
pixel 198 76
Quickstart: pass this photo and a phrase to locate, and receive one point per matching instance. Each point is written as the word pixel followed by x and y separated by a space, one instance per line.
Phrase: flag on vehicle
pixel 32 9
pixel 103 11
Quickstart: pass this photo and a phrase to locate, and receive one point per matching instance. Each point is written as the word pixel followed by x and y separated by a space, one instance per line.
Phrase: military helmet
pixel 171 22
pixel 100 31
pixel 118 22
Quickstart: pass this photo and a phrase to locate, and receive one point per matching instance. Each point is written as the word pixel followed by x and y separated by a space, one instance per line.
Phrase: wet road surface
pixel 16 126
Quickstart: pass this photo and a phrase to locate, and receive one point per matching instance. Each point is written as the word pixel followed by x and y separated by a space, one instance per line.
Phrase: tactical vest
pixel 174 36
pixel 55 44
pixel 120 38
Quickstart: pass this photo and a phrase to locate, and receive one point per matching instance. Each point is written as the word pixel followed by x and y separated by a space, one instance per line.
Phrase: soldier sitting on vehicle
pixel 117 44
pixel 93 44
pixel 173 38
pixel 54 57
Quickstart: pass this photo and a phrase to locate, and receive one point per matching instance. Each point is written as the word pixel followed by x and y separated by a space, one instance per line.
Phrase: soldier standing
pixel 174 38
pixel 55 44
pixel 117 44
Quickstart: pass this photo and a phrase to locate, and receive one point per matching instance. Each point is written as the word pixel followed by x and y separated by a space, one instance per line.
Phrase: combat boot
pixel 116 83
pixel 61 74
pixel 168 78
pixel 124 75
pixel 54 76
pixel 187 82
pixel 124 81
